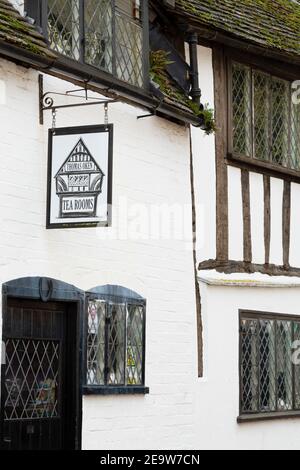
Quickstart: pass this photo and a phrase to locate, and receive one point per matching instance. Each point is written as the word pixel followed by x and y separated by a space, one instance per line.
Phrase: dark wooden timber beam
pixel 246 216
pixel 267 217
pixel 286 223
pixel 230 267
pixel 220 78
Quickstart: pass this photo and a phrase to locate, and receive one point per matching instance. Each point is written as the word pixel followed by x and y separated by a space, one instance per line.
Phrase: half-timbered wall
pixel 264 194
pixel 247 227
pixel 247 218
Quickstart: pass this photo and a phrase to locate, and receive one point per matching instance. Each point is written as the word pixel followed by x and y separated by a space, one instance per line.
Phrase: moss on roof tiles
pixel 15 30
pixel 273 24
pixel 159 60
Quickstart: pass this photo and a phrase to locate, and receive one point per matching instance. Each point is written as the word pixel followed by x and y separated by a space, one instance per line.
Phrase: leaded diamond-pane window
pixel 295 137
pixel 269 365
pixel 96 342
pixel 135 335
pixel 265 122
pixel 107 34
pixel 99 34
pixel 115 342
pixel 64 27
pixel 32 379
pixel 241 109
pixel 129 49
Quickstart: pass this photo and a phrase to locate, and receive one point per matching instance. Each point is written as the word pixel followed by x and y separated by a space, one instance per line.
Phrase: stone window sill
pixel 130 390
pixel 267 416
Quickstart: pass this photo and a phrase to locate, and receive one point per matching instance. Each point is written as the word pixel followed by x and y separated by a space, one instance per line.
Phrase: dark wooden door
pixel 38 384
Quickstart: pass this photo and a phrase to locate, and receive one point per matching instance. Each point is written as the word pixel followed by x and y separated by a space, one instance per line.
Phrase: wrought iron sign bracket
pixel 152 113
pixel 143 116
pixel 46 101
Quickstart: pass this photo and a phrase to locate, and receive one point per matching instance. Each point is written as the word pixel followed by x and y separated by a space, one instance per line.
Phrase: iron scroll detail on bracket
pixel 46 100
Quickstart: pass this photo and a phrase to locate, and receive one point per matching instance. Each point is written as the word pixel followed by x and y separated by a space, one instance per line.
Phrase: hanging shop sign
pixel 80 176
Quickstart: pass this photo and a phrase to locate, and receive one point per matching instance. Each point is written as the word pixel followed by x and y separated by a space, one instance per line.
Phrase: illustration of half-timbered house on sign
pixel 79 183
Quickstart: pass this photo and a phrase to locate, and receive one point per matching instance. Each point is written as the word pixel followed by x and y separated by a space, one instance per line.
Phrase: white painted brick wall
pixel 217 395
pixel 151 166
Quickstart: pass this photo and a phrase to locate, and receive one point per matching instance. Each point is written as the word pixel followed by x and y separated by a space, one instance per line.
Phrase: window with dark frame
pixel 269 378
pixel 264 121
pixel 106 34
pixel 115 343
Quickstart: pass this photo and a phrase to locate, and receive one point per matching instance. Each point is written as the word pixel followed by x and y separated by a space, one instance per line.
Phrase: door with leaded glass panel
pixel 38 392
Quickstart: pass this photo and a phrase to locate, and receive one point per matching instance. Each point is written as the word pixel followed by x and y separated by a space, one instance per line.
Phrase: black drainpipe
pixel 193 43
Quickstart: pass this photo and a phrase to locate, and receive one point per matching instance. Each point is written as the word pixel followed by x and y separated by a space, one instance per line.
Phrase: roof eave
pixel 99 81
pixel 215 35
pixel 26 57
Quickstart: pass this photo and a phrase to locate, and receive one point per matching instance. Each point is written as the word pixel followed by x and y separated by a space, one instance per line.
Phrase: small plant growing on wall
pixel 159 61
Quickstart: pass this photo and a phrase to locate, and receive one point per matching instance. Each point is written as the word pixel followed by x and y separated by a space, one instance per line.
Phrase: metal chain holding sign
pixel 106 115
pixel 53 118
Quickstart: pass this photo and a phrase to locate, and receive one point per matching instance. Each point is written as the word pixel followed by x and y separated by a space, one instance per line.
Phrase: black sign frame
pixel 64 131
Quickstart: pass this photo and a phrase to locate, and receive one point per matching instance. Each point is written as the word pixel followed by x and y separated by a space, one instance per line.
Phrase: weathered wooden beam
pixel 220 80
pixel 286 223
pixel 230 267
pixel 246 216
pixel 267 217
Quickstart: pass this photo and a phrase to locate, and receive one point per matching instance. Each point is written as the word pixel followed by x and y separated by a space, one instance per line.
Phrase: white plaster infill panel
pixel 257 217
pixel 203 147
pixel 295 225
pixel 276 253
pixel 235 214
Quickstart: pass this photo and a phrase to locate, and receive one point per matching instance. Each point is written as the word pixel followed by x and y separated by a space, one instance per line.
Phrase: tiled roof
pixel 274 24
pixel 165 87
pixel 15 30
